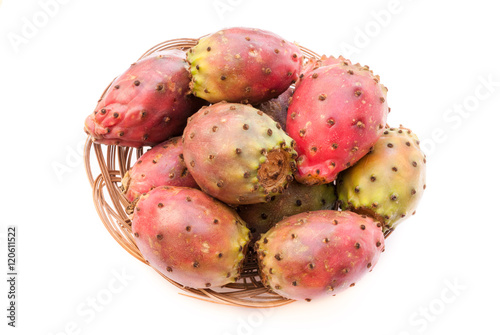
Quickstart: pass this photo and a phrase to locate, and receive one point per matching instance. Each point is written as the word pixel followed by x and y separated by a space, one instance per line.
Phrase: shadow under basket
pixel 114 161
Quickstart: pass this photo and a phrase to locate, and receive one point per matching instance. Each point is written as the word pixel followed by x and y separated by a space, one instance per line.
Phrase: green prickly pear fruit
pixel 295 199
pixel 388 182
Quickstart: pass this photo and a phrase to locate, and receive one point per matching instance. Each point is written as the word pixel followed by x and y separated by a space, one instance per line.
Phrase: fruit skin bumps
pixel 337 114
pixel 319 253
pixel 238 154
pixel 389 181
pixel 190 237
pixel 243 65
pixel 162 165
pixel 147 104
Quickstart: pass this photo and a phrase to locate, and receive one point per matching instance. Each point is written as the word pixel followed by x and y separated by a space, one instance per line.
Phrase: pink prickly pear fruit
pixel 320 253
pixel 337 114
pixel 277 108
pixel 147 104
pixel 243 65
pixel 162 165
pixel 295 199
pixel 190 237
pixel 238 154
pixel 388 182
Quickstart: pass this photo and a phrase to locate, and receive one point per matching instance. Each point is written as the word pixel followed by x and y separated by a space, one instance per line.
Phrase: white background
pixel 439 60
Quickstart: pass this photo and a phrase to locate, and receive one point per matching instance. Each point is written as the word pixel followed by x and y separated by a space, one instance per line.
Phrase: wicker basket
pixel 111 205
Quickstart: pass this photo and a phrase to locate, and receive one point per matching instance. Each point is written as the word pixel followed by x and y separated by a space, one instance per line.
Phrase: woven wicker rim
pixel 114 161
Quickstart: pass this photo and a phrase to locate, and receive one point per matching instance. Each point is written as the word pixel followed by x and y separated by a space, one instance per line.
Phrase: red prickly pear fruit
pixel 389 181
pixel 295 199
pixel 320 253
pixel 147 104
pixel 162 165
pixel 337 114
pixel 277 108
pixel 315 63
pixel 243 65
pixel 190 237
pixel 238 154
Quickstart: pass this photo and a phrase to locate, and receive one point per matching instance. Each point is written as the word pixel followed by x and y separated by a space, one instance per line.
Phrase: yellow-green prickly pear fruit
pixel 388 182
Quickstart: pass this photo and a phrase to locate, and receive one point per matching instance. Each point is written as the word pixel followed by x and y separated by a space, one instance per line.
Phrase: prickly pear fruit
pixel 319 253
pixel 147 104
pixel 190 237
pixel 295 199
pixel 163 165
pixel 243 65
pixel 238 154
pixel 315 63
pixel 336 115
pixel 277 108
pixel 389 181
